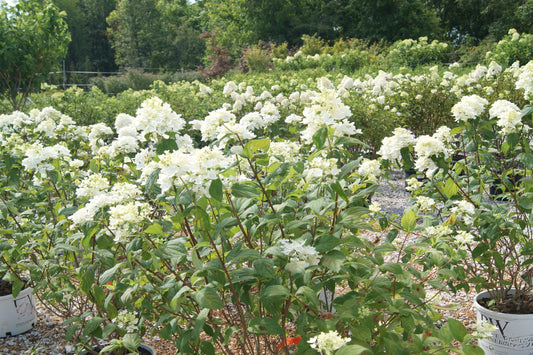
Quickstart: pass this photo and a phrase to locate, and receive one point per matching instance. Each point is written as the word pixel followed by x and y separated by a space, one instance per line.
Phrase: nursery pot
pixel 143 349
pixel 17 315
pixel 514 334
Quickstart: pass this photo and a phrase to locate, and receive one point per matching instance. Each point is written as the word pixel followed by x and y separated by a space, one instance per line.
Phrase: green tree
pixel 33 39
pixel 154 34
pixel 391 20
pixel 479 18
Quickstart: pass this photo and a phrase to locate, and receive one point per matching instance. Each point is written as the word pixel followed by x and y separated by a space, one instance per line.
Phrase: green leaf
pixel 87 280
pixel 349 141
pixel 409 221
pixel 525 202
pixel 71 331
pixel 275 293
pixel 244 190
pixel 201 218
pixel 108 329
pixel 457 329
pixel 352 350
pixel 473 350
pixel 333 260
pixel 264 268
pixel 450 188
pixel 109 274
pixel 207 348
pixel 166 145
pixel 327 243
pixel 264 326
pixel 253 146
pixel 216 189
pixel 92 324
pixel 339 190
pixel 526 159
pixel 208 297
pixel 200 321
pixel 150 181
pixel 320 136
pixel 347 169
pixel 131 341
pixel 154 228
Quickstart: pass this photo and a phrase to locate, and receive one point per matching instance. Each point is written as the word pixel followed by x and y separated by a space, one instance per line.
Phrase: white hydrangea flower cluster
pixel 125 219
pixel 425 148
pixel 464 238
pixel 444 135
pixel 327 110
pixel 209 126
pixel 425 203
pixel 192 168
pixel 285 151
pixel 412 184
pixel 525 79
pixel 321 168
pixel 127 140
pixel 48 123
pixel 92 185
pixel 484 330
pixel 391 146
pixel 370 168
pixel 468 108
pixel 465 210
pixel 97 137
pixel 510 118
pixel 156 119
pixel 126 321
pixel 374 207
pixel 299 252
pixel 438 231
pixel 328 342
pixel 38 157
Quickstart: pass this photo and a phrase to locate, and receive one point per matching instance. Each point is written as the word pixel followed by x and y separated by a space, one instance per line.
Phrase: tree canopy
pixel 33 38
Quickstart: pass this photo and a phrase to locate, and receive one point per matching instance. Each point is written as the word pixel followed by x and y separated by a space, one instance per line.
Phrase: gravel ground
pixel 47 337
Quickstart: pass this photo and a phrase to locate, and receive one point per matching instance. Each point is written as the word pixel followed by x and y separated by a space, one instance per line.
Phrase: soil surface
pixel 513 304
pixel 5 288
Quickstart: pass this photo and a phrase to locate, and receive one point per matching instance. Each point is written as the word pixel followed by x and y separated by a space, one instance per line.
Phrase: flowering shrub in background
pixel 232 241
pixel 513 47
pixel 410 52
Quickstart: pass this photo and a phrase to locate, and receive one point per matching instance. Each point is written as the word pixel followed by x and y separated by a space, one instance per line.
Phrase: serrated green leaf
pixel 109 274
pixel 352 350
pixel 450 188
pixel 131 341
pixel 244 190
pixel 275 293
pixel 320 136
pixel 333 260
pixel 409 221
pixel 253 146
pixel 208 297
pixel 264 326
pixel 216 189
pixel 154 228
pixel 166 145
pixel 264 268
pixel 92 324
pixel 457 329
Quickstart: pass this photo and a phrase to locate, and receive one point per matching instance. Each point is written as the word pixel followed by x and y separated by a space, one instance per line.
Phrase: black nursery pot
pixel 496 189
